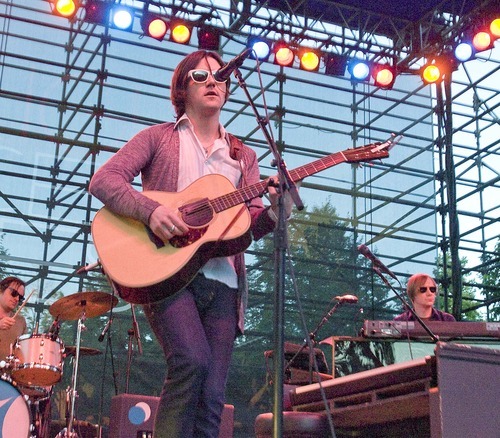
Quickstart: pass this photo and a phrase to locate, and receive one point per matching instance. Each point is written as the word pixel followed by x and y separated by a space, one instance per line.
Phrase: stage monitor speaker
pixel 132 416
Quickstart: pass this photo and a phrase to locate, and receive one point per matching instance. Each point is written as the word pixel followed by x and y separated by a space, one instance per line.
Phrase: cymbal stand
pixel 131 336
pixel 73 392
pixel 133 333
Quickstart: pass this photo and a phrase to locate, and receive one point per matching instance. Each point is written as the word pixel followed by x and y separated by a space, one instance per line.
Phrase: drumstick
pixel 24 302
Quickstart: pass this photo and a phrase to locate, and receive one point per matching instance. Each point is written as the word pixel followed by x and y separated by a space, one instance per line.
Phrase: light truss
pixel 94 88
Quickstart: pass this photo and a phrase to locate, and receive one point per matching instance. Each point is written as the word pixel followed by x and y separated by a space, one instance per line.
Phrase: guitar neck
pixel 245 194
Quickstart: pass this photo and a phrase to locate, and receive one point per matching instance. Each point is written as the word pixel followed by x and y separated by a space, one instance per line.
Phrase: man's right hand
pixel 7 322
pixel 166 223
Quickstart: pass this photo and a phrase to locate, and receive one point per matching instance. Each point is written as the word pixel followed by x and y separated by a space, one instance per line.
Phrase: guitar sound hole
pixel 187 239
pixel 197 214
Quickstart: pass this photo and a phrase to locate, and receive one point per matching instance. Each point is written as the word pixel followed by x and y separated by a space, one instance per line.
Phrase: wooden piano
pixel 454 393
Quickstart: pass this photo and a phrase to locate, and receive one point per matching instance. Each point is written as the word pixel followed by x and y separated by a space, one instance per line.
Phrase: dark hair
pixel 4 284
pixel 415 282
pixel 180 78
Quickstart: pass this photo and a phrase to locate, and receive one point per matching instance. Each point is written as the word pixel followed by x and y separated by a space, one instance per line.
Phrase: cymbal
pixel 84 351
pixel 91 304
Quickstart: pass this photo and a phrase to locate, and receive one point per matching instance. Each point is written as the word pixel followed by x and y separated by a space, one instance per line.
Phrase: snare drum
pixel 37 360
pixel 15 417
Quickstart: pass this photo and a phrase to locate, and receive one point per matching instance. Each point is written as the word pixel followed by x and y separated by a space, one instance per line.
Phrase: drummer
pixel 11 327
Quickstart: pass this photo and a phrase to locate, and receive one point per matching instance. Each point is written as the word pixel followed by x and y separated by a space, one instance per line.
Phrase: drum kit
pixel 35 365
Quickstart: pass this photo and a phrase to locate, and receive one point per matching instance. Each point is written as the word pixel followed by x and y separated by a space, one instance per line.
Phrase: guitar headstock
pixel 374 151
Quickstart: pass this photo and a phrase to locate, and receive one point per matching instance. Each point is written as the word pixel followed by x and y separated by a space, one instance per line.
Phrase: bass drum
pixel 15 417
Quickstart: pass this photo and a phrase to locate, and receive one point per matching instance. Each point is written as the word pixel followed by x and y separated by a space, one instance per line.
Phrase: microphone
pixel 225 71
pixel 105 330
pixel 364 250
pixel 87 268
pixel 351 299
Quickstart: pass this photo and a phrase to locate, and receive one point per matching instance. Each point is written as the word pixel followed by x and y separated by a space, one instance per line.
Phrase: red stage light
pixel 97 12
pixel 284 55
pixel 208 38
pixel 335 65
pixel 154 26
pixel 482 41
pixel 384 76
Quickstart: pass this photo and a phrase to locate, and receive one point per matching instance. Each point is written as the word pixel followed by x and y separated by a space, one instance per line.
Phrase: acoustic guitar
pixel 145 269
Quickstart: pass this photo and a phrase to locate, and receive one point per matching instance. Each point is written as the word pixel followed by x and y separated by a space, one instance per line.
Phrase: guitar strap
pixel 235 148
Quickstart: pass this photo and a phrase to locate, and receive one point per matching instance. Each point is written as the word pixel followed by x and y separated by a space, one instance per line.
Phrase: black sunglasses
pixel 423 289
pixel 200 76
pixel 15 294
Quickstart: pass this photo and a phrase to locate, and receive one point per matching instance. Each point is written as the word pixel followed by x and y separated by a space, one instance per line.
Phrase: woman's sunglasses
pixel 201 76
pixel 15 294
pixel 423 289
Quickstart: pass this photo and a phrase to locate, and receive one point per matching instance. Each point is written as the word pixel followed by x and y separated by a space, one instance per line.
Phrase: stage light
pixel 335 65
pixel 284 55
pixel 464 51
pixel 359 69
pixel 261 48
pixel 495 28
pixel 309 59
pixel 66 8
pixel 96 11
pixel 482 41
pixel 208 38
pixel 384 76
pixel 431 73
pixel 435 69
pixel 153 26
pixel 122 18
pixel 180 31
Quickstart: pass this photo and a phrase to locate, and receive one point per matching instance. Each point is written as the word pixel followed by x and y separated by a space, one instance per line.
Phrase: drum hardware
pixel 79 306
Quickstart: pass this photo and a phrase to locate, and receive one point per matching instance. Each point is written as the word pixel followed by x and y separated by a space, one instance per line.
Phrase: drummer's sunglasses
pixel 15 294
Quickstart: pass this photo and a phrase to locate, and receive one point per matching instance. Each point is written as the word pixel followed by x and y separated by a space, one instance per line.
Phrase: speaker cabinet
pixel 132 416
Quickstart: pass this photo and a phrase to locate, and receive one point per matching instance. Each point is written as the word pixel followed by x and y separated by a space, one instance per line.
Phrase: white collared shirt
pixel 195 163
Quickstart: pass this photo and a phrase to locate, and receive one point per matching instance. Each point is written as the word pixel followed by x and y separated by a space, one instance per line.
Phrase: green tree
pixel 3 254
pixel 323 263
pixel 468 292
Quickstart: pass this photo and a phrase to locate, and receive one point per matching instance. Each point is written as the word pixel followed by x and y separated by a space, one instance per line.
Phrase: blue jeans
pixel 196 329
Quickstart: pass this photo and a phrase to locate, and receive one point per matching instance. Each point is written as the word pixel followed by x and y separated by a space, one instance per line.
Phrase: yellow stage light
pixel 180 32
pixel 309 60
pixel 66 8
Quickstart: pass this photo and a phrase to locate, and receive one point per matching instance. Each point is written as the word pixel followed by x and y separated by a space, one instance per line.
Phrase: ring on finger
pixel 172 228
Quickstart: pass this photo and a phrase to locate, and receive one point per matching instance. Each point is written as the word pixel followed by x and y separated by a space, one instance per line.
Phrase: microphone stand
pixel 434 337
pixel 280 245
pixel 311 341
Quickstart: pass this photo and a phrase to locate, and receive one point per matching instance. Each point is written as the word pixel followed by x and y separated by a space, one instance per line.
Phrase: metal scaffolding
pixel 73 92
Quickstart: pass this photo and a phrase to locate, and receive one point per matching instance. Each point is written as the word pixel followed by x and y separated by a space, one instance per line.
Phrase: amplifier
pixel 132 416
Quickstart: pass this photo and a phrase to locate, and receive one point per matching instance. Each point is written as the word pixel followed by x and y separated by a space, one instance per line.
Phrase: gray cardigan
pixel 154 154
